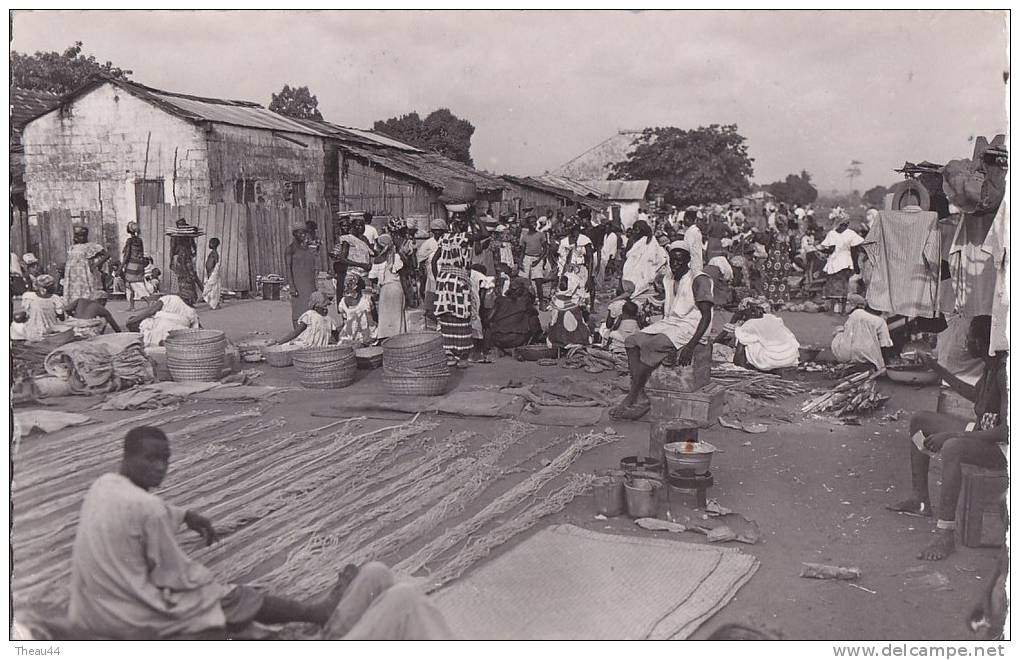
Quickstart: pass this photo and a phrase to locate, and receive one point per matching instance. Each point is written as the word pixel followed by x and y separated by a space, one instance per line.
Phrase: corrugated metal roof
pixel 568 184
pixel 228 112
pixel 435 170
pixel 554 190
pixel 621 190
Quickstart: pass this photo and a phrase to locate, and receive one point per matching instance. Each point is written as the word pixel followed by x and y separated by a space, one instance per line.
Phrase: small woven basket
pixel 279 356
pixel 414 349
pixel 326 367
pixel 416 385
pixel 196 336
pixel 196 355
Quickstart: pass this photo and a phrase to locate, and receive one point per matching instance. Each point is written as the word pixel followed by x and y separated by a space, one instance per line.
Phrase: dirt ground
pixel 815 488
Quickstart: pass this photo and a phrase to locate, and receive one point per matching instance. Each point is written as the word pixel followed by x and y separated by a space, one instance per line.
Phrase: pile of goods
pixel 594 360
pixel 755 383
pixel 415 364
pixel 850 397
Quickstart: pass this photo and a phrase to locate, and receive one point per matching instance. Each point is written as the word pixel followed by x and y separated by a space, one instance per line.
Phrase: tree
pixel 853 172
pixel 296 102
pixel 704 165
pixel 796 189
pixel 875 196
pixel 442 132
pixel 59 73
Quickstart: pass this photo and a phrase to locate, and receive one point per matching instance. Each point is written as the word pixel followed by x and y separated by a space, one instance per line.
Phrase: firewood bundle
pixel 851 396
pixel 755 383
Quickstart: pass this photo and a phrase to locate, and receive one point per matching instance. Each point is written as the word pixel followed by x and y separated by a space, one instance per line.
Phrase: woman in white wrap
pixel 644 261
pixel 168 313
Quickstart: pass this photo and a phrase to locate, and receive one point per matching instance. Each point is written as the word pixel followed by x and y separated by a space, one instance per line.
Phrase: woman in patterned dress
pixel 450 265
pixel 81 271
pixel 134 265
pixel 777 265
pixel 184 280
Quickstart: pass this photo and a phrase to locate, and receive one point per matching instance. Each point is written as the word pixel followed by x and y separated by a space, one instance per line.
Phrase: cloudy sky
pixel 809 90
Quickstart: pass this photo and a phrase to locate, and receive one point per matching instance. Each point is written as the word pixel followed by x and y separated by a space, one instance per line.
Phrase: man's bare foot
pixel 943 546
pixel 914 506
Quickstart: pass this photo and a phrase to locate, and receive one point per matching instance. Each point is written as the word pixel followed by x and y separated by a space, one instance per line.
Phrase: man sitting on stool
pixel 687 315
pixel 981 442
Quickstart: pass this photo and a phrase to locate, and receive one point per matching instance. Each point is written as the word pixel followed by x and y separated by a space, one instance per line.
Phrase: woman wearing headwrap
pixel 314 327
pixel 574 260
pixel 777 264
pixel 81 271
pixel 840 264
pixel 184 279
pixel 355 309
pixel 391 290
pixel 302 263
pixel 44 309
pixel 453 308
pixel 645 260
pixel 134 266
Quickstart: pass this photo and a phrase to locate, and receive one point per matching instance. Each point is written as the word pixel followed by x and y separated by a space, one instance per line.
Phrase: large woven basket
pixel 414 349
pixel 196 355
pixel 279 356
pixel 416 385
pixel 326 367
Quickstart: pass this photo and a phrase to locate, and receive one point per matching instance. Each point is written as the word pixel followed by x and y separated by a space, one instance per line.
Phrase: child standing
pixel 213 289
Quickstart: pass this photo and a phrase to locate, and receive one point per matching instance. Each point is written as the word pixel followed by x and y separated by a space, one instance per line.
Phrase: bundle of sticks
pixel 856 394
pixel 755 383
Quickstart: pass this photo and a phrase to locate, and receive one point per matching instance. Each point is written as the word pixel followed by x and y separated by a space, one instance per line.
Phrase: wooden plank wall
pixel 367 188
pixel 253 237
pixel 21 234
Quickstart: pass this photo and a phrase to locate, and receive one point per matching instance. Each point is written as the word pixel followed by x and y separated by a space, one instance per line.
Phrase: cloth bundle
pixel 101 364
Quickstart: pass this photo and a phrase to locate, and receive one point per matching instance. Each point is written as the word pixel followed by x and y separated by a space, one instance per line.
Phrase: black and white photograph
pixel 497 325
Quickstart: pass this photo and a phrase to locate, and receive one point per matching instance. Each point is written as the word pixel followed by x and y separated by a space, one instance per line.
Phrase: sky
pixel 810 90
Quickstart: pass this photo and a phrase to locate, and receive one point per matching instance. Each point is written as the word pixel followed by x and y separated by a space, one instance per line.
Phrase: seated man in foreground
pixel 131 580
pixel 981 442
pixel 687 315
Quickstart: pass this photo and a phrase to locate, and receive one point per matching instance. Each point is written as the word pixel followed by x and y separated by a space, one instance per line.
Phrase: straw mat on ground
pixel 567 582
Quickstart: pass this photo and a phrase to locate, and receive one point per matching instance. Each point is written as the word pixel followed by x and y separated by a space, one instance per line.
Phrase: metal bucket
pixel 641 466
pixel 609 493
pixel 695 456
pixel 642 497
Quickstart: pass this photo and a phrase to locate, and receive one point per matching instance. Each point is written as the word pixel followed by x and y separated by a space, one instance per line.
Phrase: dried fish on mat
pixel 595 360
pixel 854 395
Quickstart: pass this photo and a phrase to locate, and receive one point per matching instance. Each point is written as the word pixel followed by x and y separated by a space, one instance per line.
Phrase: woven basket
pixel 414 349
pixel 369 358
pixel 196 336
pixel 416 385
pixel 279 356
pixel 398 372
pixel 326 367
pixel 196 355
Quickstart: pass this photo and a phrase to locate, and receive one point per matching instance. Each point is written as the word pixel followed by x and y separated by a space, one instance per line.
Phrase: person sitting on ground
pixel 981 442
pixel 130 579
pixel 687 317
pixel 355 310
pixel 621 322
pixel 44 309
pixel 156 322
pixel 88 310
pixel 567 327
pixel 314 327
pixel 864 338
pixel 762 340
pixel 514 319
pixel 19 327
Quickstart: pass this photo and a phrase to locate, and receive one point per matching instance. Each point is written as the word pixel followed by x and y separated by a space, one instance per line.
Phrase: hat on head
pixel 910 192
pixel 616 307
pixel 45 281
pixel 317 299
pixel 438 224
pixel 298 225
pixel 29 259
pixel 679 245
pixel 132 227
